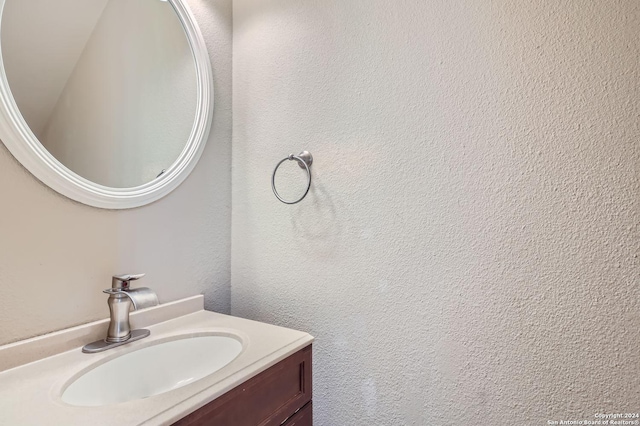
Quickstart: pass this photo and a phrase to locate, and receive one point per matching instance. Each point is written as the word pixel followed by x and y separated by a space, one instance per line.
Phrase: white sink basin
pixel 152 370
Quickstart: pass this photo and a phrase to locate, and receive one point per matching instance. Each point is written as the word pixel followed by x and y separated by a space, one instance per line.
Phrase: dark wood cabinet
pixel 304 417
pixel 280 395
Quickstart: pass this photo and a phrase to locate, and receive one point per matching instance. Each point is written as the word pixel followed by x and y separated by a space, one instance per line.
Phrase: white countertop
pixel 30 393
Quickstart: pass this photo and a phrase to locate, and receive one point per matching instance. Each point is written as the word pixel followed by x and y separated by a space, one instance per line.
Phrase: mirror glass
pixel 108 87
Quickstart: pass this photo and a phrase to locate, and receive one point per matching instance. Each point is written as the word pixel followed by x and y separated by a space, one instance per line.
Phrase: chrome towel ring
pixel 304 159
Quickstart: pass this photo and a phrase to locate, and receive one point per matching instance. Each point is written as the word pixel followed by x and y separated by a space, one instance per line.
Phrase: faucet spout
pixel 142 297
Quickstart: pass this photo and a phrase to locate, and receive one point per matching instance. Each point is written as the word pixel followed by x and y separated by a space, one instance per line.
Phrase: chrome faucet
pixel 121 298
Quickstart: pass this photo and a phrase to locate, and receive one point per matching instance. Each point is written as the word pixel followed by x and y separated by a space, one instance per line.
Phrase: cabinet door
pixel 267 399
pixel 304 417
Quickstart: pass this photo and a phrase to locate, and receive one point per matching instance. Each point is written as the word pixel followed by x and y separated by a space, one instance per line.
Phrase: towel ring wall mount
pixel 304 159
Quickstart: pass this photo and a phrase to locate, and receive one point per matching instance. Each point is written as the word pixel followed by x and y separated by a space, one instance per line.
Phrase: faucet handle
pixel 121 282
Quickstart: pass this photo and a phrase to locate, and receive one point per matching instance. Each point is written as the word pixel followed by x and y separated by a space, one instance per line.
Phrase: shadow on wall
pixel 315 221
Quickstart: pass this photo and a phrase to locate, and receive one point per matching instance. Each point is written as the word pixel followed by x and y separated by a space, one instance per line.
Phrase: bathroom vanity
pixel 265 381
pixel 280 395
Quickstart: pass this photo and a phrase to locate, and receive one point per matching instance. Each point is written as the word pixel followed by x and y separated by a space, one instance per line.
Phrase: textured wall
pixel 468 253
pixel 57 255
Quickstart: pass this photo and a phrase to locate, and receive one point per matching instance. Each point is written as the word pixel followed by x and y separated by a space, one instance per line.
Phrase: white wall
pixel 128 108
pixel 56 255
pixel 468 253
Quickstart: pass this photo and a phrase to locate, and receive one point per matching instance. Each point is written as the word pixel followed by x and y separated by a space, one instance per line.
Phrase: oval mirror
pixel 108 102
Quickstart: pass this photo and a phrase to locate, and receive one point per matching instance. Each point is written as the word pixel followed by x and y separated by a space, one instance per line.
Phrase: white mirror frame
pixel 27 149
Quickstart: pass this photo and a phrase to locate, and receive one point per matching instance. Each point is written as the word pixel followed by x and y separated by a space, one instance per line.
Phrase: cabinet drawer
pixel 267 399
